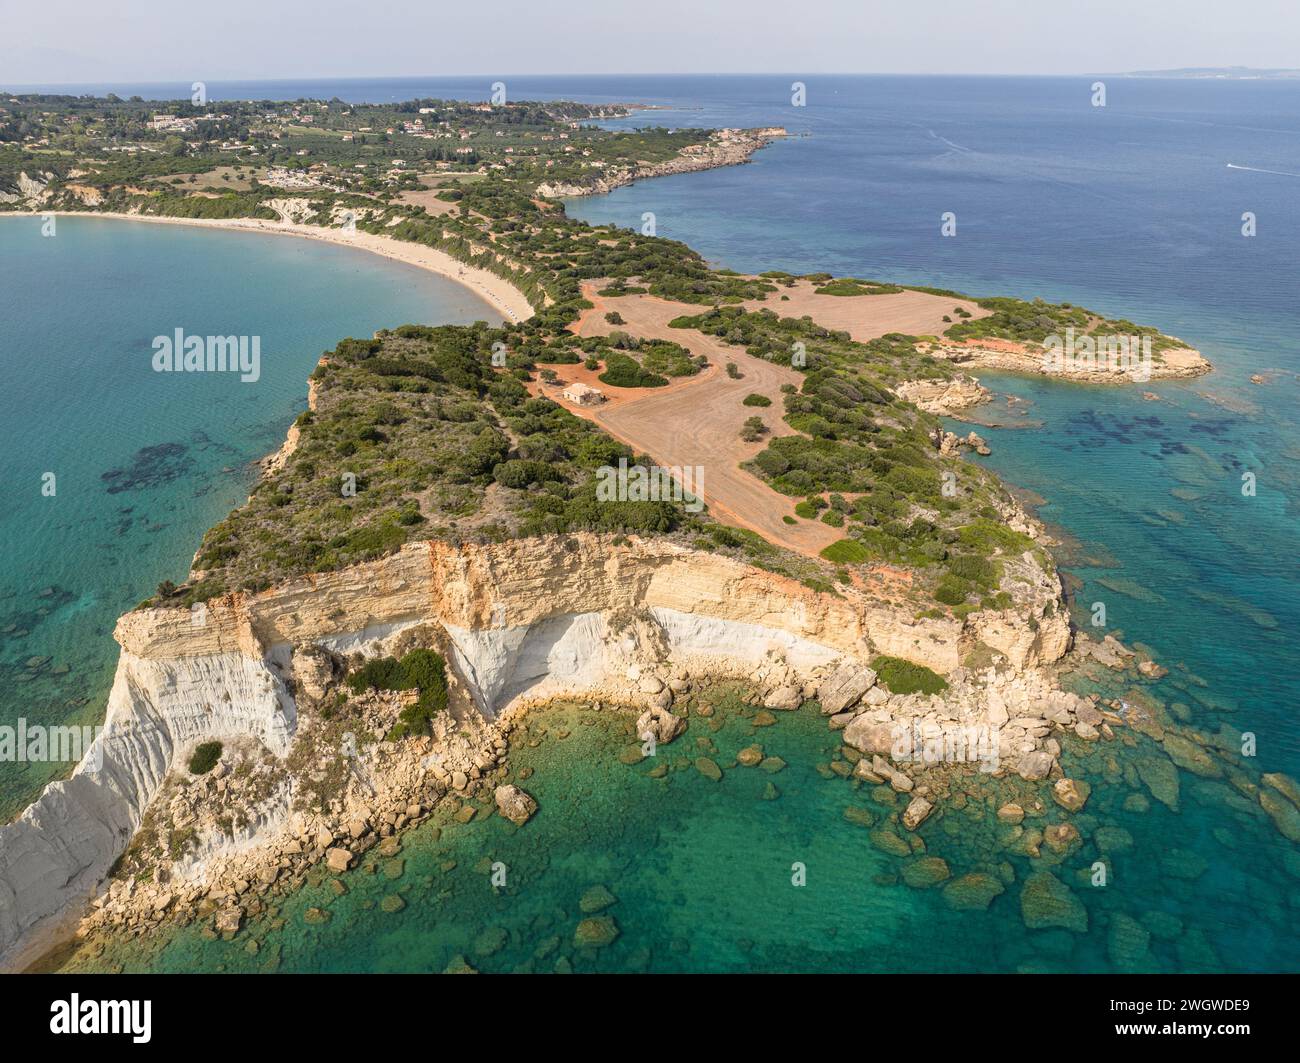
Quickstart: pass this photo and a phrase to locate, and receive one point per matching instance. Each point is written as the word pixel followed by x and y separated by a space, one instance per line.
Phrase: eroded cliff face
pixel 525 620
pixel 516 585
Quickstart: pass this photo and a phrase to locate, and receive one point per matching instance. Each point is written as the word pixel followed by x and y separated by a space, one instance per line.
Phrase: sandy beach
pixel 496 290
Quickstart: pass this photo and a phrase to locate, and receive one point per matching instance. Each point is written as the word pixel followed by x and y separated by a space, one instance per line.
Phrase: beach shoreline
pixel 496 291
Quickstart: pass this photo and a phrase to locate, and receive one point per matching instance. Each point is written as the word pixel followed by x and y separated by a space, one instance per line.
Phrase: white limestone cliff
pixel 527 620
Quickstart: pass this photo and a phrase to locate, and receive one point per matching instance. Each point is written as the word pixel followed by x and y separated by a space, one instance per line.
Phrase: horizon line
pixel 646 74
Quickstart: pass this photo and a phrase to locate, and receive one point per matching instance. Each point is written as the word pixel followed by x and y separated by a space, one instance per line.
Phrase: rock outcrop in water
pixel 524 621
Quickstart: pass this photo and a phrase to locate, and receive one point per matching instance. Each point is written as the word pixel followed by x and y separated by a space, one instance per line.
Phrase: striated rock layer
pixel 526 620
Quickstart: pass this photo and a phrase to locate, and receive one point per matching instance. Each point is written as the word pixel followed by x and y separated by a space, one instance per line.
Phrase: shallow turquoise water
pixel 81 400
pixel 702 872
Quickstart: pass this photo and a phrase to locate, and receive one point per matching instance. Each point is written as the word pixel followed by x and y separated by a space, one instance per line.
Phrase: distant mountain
pixel 1236 72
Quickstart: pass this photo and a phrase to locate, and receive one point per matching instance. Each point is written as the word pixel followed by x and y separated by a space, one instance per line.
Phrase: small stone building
pixel 584 394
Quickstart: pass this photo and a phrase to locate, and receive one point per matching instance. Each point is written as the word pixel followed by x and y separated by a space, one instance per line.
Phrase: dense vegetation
pixel 1033 322
pixel 420 670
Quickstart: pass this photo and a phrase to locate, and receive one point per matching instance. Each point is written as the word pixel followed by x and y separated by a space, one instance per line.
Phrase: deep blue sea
pixel 1132 209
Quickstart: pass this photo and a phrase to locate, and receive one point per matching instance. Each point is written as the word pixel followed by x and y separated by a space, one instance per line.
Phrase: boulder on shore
pixel 661 724
pixel 844 686
pixel 870 736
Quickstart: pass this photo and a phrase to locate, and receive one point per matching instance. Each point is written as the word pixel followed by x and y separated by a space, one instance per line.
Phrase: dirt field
pixel 868 317
pixel 697 420
pixel 428 199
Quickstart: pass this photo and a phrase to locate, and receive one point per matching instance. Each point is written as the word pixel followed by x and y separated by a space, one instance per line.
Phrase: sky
pixel 71 41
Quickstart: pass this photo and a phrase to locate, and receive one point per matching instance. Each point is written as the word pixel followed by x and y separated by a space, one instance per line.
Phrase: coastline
pixel 54 931
pixel 497 291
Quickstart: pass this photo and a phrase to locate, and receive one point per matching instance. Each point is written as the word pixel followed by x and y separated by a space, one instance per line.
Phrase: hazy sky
pixel 163 40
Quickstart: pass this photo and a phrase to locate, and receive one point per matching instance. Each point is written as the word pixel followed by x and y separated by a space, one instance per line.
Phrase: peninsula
pixel 430 558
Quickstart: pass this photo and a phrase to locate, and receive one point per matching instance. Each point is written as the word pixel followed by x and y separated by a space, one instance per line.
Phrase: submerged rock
pixel 1071 794
pixel 1283 784
pixel 596 932
pixel 1011 813
pixel 1161 778
pixel 925 871
pixel 973 892
pixel 1191 757
pixel 1046 901
pixel 888 841
pixel 1061 837
pixel 596 899
pixel 1127 944
pixel 1285 816
pixel 708 768
pixel 491 941
pixel 1111 839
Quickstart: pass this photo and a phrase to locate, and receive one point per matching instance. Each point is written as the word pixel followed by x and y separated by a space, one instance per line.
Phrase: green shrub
pixel 906 677
pixel 621 371
pixel 422 670
pixel 951 591
pixel 754 399
pixel 977 570
pixel 846 552
pixel 205 757
pixel 520 474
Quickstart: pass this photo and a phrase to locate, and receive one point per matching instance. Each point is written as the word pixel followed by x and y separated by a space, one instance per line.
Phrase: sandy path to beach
pixel 497 291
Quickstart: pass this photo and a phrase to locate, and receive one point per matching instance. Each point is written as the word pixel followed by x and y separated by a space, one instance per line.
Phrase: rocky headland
pixel 724 147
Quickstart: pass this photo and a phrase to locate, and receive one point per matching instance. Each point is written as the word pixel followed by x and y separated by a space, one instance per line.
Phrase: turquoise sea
pixel 145 462
pixel 1132 210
